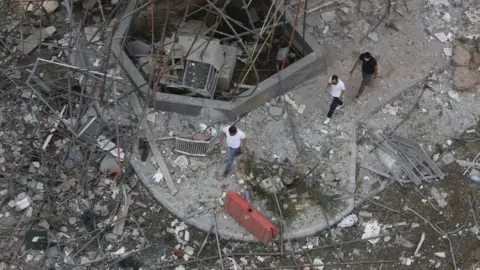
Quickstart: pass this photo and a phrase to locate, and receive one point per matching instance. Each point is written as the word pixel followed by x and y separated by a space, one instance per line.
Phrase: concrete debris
pixel 373 36
pixel 348 221
pixel 365 214
pixel 448 158
pixel 42 223
pixel 440 254
pixel 318 262
pixel 475 230
pixel 181 161
pixel 448 51
pixel 439 2
pixel 101 210
pixel 372 229
pixel 157 177
pixel 275 111
pixel 31 42
pixel 406 261
pixel 465 164
pixel 72 220
pixel 329 16
pixel 392 110
pixel 300 109
pixel 473 15
pixel 438 197
pixel 441 37
pixel 110 237
pixel 269 185
pixel 400 240
pixel 22 202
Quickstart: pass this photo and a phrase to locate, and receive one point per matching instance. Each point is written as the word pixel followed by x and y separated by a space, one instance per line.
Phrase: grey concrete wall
pixel 215 110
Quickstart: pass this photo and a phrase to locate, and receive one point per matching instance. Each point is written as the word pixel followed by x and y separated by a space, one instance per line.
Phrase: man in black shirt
pixel 369 70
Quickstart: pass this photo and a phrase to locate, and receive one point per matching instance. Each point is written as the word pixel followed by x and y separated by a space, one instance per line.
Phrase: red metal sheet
pixel 251 219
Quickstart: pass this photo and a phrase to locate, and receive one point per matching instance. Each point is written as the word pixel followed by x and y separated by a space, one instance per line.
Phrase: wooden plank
pixel 153 144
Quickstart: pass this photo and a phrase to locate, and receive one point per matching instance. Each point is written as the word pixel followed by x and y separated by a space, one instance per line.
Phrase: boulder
pixel 465 79
pixel 476 58
pixel 461 56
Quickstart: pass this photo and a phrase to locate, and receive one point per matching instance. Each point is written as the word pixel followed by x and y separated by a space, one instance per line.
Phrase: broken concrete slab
pixel 328 16
pixel 275 111
pixel 31 42
pixel 373 36
pixel 461 56
pixel 448 158
pixel 438 197
pixel 402 241
pixel 441 37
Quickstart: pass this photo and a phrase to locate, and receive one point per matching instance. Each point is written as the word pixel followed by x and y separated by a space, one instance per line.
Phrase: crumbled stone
pixel 110 237
pixel 461 56
pixel 448 158
pixel 373 36
pixel 441 37
pixel 465 79
pixel 400 240
pixel 438 197
pixel 275 111
pixel 329 16
pixel 181 161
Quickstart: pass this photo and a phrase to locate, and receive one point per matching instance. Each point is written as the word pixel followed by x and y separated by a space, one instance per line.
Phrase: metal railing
pixel 193 147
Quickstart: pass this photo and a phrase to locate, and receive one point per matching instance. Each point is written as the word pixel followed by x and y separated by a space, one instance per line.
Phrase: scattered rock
pixel 348 221
pixel 440 254
pixel 110 237
pixel 373 36
pixel 365 214
pixel 441 37
pixel 29 212
pixel 42 223
pixel 275 111
pixel 72 220
pixel 448 158
pixel 400 240
pixel 22 202
pixel 84 260
pixel 108 162
pixel 181 162
pixel 448 51
pixel 461 56
pixel 438 197
pixel 372 229
pixel 318 262
pixel 269 186
pixel 328 16
pixel 174 123
pixel 53 252
pixel 101 210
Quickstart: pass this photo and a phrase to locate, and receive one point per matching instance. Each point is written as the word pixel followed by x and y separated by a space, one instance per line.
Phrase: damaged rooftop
pixel 111 114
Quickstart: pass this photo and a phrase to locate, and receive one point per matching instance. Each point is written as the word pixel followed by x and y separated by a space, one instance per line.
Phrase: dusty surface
pixel 406 53
pixel 60 208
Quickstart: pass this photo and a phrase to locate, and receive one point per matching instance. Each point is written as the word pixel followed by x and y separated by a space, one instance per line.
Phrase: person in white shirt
pixel 236 143
pixel 336 90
